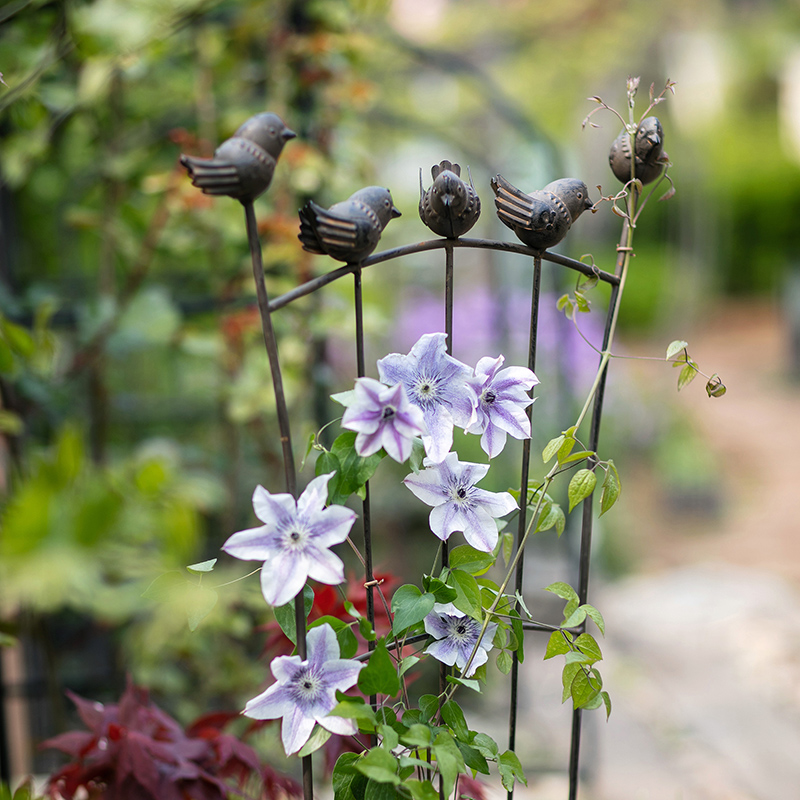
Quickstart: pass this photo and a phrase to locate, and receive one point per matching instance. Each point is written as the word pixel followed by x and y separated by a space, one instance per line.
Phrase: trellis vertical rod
pixel 587 520
pixel 367 513
pixel 271 345
pixel 523 500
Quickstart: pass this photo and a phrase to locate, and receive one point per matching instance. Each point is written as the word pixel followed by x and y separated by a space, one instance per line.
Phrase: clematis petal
pixel 368 442
pixel 321 645
pixel 497 504
pixel 295 730
pixel 284 668
pixel 283 577
pixel 427 486
pixel 331 525
pixel 439 439
pixel 493 440
pixel 315 495
pixel 253 544
pixel 324 566
pixel 444 650
pixel 341 673
pixel 340 725
pixel 270 507
pixel 481 530
pixel 271 704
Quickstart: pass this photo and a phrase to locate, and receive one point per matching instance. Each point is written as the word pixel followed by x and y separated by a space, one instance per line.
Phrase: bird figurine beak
pixel 287 134
pixel 395 213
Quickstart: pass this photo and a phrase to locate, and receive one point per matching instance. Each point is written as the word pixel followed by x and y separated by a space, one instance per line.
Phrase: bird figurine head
pixel 350 230
pixel 542 218
pixel 450 207
pixel 242 166
pixel 648 147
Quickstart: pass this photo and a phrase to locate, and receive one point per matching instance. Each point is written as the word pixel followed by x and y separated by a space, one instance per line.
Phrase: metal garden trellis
pixel 268 307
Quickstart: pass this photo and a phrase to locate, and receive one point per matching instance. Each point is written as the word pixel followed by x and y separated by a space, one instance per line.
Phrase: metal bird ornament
pixel 450 207
pixel 242 166
pixel 649 148
pixel 348 231
pixel 541 219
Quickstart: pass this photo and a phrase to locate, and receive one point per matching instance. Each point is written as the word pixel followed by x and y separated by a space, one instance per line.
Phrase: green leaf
pixel 687 375
pixel 552 447
pixel 504 661
pixel 325 463
pixel 470 560
pixel 429 705
pixel 354 470
pixel 565 449
pixel 10 422
pixel 564 591
pixel 379 765
pixel 380 674
pixel 407 663
pixel 467 682
pixel 551 516
pixel 510 770
pixel 365 629
pixel 468 597
pixel 575 618
pixel 381 791
pixel 417 455
pixel 344 774
pixel 454 719
pixel 485 745
pixel 348 644
pixel 611 488
pixel 587 644
pixel 318 738
pixel 449 759
pixel 441 592
pixel 581 486
pixel 410 606
pixel 596 617
pixel 421 790
pixel 417 736
pixel 389 736
pixel 507 546
pixel 354 708
pixel 606 702
pixel 285 615
pixel 201 602
pixel 567 677
pixel 556 645
pixel 675 347
pixel 344 398
pixel 585 688
pixel 473 758
pixel 579 455
pixel 202 566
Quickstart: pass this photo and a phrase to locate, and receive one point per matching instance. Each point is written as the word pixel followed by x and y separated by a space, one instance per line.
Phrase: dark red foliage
pixel 135 751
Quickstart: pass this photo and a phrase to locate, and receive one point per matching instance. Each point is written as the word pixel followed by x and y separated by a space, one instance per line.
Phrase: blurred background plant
pixel 136 404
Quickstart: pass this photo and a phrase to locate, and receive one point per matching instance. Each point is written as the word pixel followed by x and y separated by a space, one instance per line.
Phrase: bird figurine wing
pixel 518 210
pixel 212 176
pixel 322 230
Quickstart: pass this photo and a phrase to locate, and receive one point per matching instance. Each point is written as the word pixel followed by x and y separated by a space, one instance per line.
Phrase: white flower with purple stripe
pixel 437 383
pixel 295 540
pixel 305 691
pixel 502 398
pixel 459 505
pixel 456 635
pixel 383 418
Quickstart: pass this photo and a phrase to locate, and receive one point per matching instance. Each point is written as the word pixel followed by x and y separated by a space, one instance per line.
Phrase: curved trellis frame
pixel 267 308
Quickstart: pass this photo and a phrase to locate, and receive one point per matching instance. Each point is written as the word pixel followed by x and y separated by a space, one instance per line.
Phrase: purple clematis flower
pixel 384 418
pixel 294 542
pixel 437 383
pixel 456 635
pixel 502 399
pixel 458 505
pixel 306 690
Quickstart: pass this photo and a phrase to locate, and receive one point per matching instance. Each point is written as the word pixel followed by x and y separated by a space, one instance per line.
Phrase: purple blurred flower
pixel 436 382
pixel 456 635
pixel 457 504
pixel 502 400
pixel 294 541
pixel 384 418
pixel 306 690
